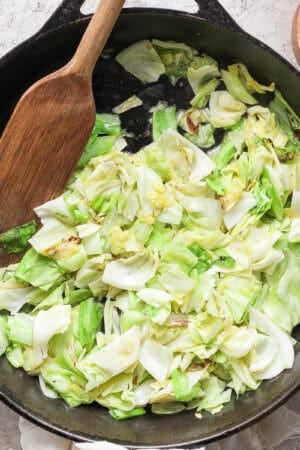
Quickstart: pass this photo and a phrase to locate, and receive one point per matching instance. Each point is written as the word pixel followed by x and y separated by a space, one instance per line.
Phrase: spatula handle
pixel 95 37
pixel 296 35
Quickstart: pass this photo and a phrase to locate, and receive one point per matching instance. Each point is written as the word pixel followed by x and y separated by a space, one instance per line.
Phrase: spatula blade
pixel 42 143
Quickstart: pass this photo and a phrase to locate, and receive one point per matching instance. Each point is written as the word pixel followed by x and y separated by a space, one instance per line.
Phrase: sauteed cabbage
pixel 168 278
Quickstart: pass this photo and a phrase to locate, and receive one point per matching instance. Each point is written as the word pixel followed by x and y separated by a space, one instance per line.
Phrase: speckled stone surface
pixel 268 20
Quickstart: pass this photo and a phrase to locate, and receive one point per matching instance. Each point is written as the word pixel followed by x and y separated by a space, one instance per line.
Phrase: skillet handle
pixel 210 10
pixel 68 11
pixel 214 12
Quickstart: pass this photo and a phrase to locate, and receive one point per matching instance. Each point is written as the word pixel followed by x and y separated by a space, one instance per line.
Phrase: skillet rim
pixel 49 28
pixel 7 397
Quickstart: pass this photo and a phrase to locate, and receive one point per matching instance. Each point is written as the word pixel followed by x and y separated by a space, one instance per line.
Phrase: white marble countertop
pixel 268 20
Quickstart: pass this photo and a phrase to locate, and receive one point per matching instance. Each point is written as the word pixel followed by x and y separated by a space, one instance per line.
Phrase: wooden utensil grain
pixel 49 128
pixel 296 35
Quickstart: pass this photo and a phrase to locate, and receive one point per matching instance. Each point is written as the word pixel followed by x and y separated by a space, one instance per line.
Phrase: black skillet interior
pixel 51 49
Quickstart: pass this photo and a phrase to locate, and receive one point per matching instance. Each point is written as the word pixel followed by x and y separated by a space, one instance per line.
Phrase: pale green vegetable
pixel 284 356
pixel 15 357
pixel 90 274
pixel 204 328
pixel 46 389
pixel 224 109
pixel 200 75
pixel 90 317
pixel 265 348
pixel 3 335
pixel 238 211
pixel 183 256
pixel 56 208
pixel 54 297
pixel 171 214
pixel 142 61
pixel 204 91
pixel 167 408
pixel 236 88
pixel 240 292
pixel 243 372
pixel 263 199
pixel 13 295
pixel 294 234
pixel 50 236
pixel 100 146
pixel 155 297
pixel 248 81
pixel 192 118
pixel 163 120
pixel 183 388
pixel 16 240
pixel 61 375
pixel 214 397
pixel 282 301
pixel 38 270
pixel 261 242
pixel 175 281
pixel 151 193
pixel 20 329
pixel 274 190
pixel 262 123
pixel 47 324
pixel 175 56
pixel 119 414
pixel 99 366
pixel 288 120
pixel 156 359
pixel 197 163
pixel 168 278
pixel 166 47
pixel 237 342
pixel 225 154
pixel 204 138
pixel 126 105
pixel 132 273
pixel 107 124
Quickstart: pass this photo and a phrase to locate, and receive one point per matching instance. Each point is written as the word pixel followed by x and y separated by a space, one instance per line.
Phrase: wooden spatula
pixel 49 128
pixel 296 35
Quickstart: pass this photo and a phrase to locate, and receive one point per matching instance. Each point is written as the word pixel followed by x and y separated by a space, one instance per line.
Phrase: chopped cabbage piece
pixel 224 109
pixel 142 61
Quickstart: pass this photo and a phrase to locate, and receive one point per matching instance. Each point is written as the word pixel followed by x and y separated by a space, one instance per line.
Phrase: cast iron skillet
pixel 210 30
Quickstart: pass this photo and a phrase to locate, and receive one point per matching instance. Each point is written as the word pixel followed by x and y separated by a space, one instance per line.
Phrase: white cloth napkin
pixel 280 430
pixel 34 438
